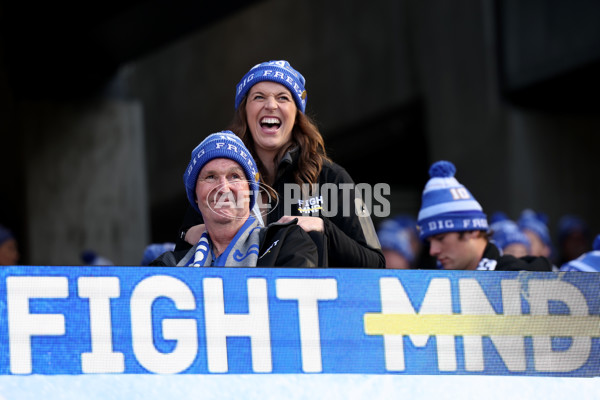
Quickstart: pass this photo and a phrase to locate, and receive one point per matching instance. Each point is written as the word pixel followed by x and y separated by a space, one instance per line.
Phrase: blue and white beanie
pixel 223 144
pixel 537 223
pixel 275 71
pixel 447 206
pixel 587 262
pixel 506 232
pixel 397 234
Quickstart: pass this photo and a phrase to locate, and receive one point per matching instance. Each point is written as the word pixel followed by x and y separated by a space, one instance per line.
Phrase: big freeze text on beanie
pixel 275 71
pixel 447 205
pixel 223 144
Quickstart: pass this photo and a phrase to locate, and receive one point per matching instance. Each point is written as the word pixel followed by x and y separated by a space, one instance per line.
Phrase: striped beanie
pixel 224 144
pixel 274 71
pixel 506 232
pixel 588 262
pixel 447 206
pixel 537 223
pixel 397 234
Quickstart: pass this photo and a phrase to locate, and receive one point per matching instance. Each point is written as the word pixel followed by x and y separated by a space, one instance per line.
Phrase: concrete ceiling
pixel 54 50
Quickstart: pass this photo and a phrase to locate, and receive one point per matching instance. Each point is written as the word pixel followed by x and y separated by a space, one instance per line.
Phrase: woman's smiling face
pixel 271 114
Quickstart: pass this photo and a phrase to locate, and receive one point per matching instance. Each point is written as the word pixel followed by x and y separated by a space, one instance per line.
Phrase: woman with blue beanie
pixel 270 104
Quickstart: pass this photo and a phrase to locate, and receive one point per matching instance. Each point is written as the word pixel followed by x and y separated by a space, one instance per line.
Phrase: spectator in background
pixel 573 238
pixel 508 237
pixel 454 224
pixel 154 250
pixel 535 226
pixel 9 251
pixel 399 241
pixel 587 262
pixel 90 257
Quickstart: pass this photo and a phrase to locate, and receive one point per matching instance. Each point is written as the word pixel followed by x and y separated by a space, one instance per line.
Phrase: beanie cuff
pixel 452 223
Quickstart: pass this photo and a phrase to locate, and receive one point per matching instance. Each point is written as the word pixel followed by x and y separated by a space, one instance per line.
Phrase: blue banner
pixel 146 320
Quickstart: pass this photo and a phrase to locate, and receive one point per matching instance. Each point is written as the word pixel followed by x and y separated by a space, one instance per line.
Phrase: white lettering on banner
pixel 220 325
pixel 308 292
pixel 183 331
pixel 506 330
pixel 438 300
pixel 99 291
pixel 541 292
pixel 511 348
pixel 22 325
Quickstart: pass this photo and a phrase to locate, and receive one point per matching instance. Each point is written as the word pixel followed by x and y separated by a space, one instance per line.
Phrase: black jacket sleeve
pixel 191 218
pixel 351 236
pixel 287 245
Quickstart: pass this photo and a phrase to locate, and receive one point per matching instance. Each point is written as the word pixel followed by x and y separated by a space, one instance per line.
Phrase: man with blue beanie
pixel 455 226
pixel 221 183
pixel 587 262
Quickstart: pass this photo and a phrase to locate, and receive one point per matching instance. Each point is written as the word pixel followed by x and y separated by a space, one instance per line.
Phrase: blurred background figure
pixel 587 262
pixel 508 237
pixel 89 257
pixel 399 241
pixel 9 252
pixel 573 238
pixel 154 250
pixel 535 226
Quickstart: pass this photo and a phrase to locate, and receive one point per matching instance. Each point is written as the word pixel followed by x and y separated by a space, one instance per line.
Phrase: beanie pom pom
pixel 442 169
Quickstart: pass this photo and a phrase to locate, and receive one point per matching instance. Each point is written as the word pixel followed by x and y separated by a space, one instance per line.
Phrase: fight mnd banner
pixel 94 321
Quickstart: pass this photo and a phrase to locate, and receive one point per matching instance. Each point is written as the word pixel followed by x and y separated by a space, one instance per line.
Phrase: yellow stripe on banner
pixel 481 325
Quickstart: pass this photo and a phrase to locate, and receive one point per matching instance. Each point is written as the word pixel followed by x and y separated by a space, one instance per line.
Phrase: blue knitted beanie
pixel 537 223
pixel 5 234
pixel 507 232
pixel 275 71
pixel 587 262
pixel 447 206
pixel 397 234
pixel 223 144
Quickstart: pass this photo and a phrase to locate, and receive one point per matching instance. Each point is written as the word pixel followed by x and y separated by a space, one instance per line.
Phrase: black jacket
pixel 351 240
pixel 511 263
pixel 281 245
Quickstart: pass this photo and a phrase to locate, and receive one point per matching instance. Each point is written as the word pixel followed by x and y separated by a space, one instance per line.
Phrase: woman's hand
pixel 192 236
pixel 307 223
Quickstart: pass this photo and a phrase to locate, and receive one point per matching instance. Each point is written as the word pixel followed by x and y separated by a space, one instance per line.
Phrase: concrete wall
pixel 86 186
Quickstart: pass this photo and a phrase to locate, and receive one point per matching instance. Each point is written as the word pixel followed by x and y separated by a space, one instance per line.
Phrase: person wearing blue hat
pixel 221 183
pixel 535 226
pixel 454 224
pixel 270 117
pixel 9 252
pixel 154 250
pixel 574 238
pixel 508 237
pixel 399 241
pixel 587 262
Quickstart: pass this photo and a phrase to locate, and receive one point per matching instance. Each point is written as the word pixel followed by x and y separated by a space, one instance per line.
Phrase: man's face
pixel 455 252
pixel 223 192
